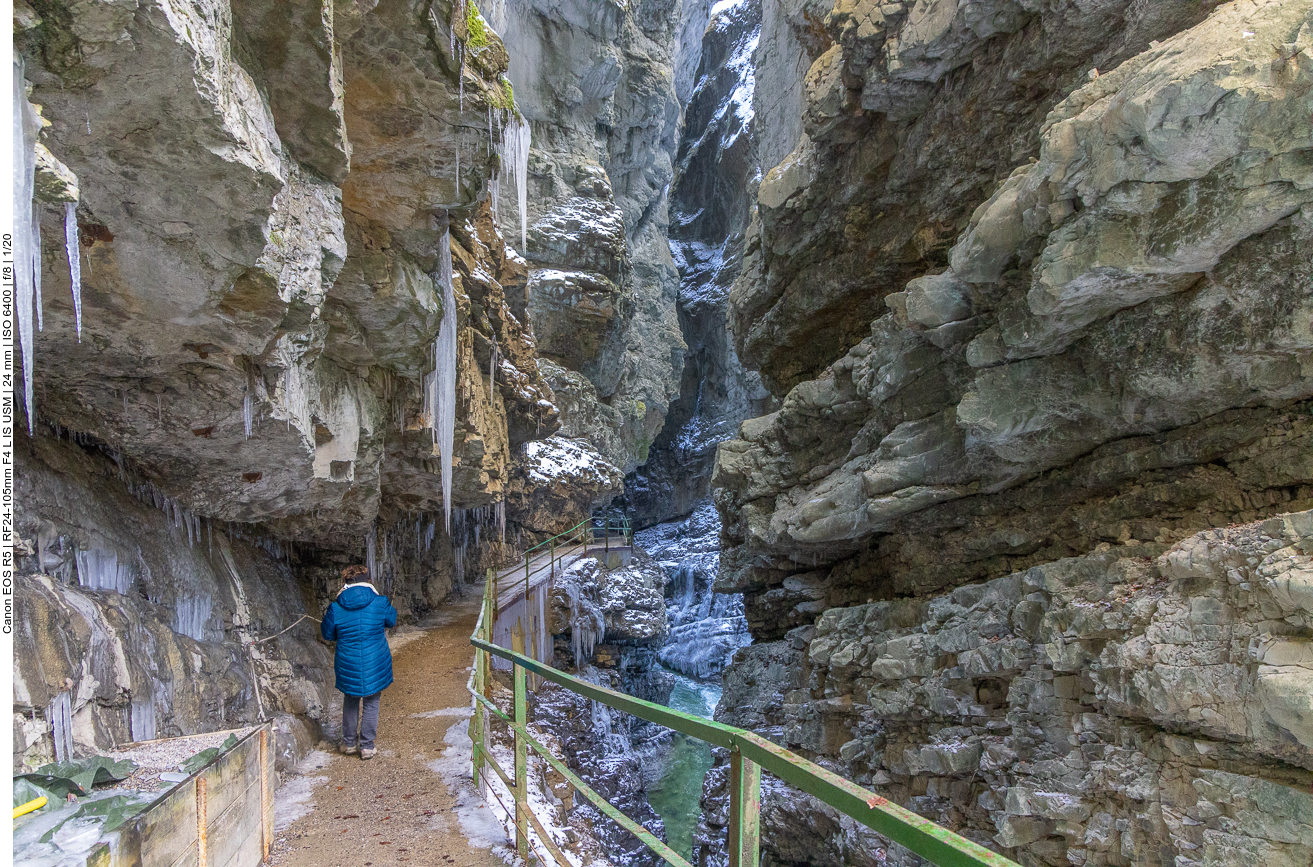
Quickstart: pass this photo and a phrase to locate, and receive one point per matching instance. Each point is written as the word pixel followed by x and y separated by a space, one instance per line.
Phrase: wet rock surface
pixel 597 83
pixel 262 197
pixel 712 197
pixel 1131 706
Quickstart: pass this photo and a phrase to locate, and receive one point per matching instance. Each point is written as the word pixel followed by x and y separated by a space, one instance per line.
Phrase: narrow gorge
pixel 949 362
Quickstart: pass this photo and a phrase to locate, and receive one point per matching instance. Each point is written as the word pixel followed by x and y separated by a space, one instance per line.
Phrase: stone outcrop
pixel 1006 408
pixel 1141 704
pixel 262 196
pixel 599 83
pixel 177 654
pixel 1030 281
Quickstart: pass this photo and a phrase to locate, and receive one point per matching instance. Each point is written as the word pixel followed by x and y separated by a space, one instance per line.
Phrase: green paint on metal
pixel 744 841
pixel 670 856
pixel 717 734
pixel 750 754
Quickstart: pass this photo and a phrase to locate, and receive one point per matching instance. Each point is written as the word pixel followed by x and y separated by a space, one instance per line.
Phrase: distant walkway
pixel 522 598
pixel 523 589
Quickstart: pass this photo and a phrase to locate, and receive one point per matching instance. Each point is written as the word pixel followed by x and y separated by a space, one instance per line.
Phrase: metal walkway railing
pixel 749 755
pixel 521 590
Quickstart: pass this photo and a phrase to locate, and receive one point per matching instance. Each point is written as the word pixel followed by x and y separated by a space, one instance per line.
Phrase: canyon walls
pixel 1030 281
pixel 599 84
pixel 271 202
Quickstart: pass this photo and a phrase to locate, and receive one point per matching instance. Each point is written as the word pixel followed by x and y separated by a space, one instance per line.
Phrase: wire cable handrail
pixel 750 753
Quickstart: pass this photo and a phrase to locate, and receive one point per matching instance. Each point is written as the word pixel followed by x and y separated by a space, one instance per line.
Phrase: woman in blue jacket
pixel 363 662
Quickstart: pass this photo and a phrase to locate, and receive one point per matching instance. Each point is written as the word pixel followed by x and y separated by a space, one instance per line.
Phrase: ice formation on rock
pixel 27 233
pixel 74 252
pixel 515 139
pixel 440 387
pixel 101 570
pixel 706 628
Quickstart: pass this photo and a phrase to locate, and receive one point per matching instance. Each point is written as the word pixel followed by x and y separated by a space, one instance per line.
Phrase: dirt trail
pixel 395 809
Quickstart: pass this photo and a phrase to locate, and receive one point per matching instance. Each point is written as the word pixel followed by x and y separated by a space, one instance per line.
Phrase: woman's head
pixel 353 574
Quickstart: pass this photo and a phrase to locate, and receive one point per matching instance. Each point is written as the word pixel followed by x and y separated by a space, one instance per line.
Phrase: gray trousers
pixel 368 725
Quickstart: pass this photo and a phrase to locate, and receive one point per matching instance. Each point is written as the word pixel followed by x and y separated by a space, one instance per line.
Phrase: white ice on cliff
pixel 27 239
pixel 557 458
pixel 71 247
pixel 515 139
pixel 27 232
pixel 440 387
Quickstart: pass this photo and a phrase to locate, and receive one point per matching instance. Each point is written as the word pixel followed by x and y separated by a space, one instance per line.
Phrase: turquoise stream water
pixel 677 794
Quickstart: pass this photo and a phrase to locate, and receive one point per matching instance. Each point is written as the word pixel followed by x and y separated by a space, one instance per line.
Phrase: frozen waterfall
pixel 440 387
pixel 706 628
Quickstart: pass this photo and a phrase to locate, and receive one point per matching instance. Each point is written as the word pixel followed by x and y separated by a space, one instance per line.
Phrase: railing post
pixel 521 750
pixel 744 840
pixel 476 734
pixel 606 533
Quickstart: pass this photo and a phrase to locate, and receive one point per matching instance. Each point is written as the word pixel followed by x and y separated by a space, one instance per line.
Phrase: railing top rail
pixel 550 539
pixel 920 835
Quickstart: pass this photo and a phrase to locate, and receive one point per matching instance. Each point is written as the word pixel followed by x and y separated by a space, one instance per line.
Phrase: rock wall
pixel 599 83
pixel 262 197
pixel 150 624
pixel 716 176
pixel 1132 706
pixel 1031 284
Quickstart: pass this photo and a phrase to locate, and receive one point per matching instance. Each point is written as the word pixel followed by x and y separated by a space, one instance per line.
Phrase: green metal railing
pixel 554 547
pixel 749 755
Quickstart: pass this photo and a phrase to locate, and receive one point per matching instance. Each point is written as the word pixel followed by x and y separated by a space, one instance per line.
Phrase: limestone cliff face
pixel 263 193
pixel 1031 280
pixel 716 176
pixel 1133 706
pixel 600 84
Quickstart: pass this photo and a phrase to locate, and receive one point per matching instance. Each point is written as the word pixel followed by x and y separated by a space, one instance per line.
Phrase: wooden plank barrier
pixel 220 816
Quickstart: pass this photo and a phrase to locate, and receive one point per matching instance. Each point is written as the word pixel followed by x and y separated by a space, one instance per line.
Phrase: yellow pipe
pixel 30 806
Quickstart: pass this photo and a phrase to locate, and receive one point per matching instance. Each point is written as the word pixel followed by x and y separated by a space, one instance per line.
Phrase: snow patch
pixel 559 458
pixel 295 796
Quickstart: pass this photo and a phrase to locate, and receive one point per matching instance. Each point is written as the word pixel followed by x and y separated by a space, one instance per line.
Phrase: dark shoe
pixel 349 749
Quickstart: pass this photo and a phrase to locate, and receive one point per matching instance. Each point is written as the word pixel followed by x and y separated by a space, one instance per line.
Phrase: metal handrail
pixel 578 534
pixel 749 755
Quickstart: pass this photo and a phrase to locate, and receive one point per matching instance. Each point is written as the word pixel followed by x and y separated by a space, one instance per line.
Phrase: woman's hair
pixel 355 573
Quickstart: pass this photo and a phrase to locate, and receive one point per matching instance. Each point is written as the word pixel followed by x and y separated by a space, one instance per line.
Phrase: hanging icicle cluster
pixel 27 239
pixel 514 151
pixel 27 233
pixel 440 385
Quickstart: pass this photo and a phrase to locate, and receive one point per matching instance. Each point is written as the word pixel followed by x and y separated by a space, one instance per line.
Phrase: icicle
pixel 514 153
pixel 440 387
pixel 74 261
pixel 458 167
pixel 371 553
pixel 24 186
pixel 248 412
pixel 461 76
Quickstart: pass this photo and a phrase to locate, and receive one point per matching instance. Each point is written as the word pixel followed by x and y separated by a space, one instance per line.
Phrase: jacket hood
pixel 356 596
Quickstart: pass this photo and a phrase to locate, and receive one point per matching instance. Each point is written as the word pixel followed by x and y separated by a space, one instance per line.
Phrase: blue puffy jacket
pixel 356 621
